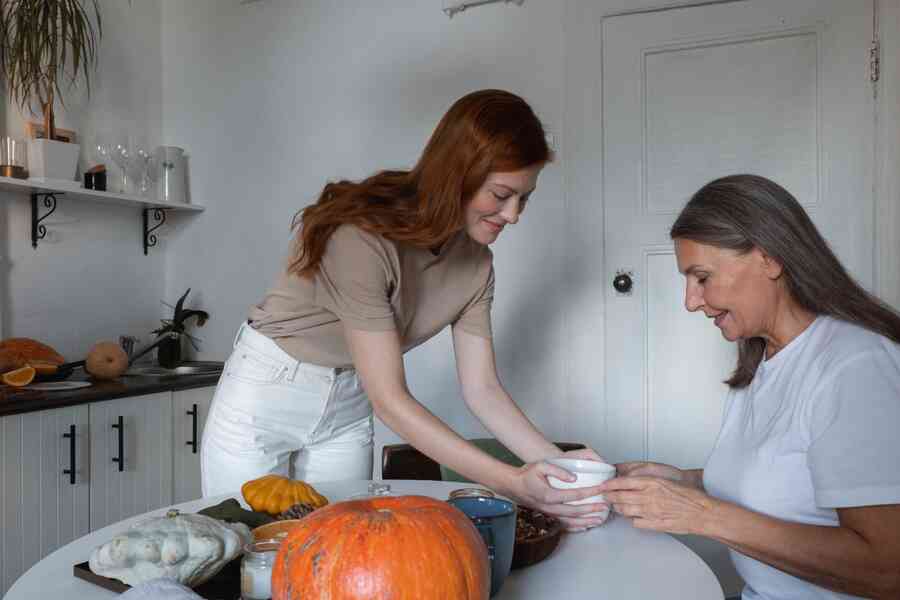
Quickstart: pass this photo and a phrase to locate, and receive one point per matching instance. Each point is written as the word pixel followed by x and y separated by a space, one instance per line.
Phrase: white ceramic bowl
pixel 588 472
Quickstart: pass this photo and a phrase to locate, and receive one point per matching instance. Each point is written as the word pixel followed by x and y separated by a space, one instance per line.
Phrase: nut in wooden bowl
pixel 537 535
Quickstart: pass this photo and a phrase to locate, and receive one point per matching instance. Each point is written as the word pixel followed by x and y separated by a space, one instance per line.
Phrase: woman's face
pixel 739 291
pixel 499 202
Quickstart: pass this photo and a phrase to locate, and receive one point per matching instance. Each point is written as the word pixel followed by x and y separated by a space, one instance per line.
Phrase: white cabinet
pixel 190 408
pixel 131 457
pixel 147 463
pixel 42 504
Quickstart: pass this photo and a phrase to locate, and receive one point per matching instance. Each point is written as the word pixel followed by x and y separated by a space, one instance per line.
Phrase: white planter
pixel 49 160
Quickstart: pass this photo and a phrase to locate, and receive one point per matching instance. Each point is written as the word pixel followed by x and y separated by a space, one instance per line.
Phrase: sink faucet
pixel 128 343
pixel 151 346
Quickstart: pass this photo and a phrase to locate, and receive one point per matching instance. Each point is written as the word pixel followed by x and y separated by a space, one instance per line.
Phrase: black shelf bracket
pixel 159 215
pixel 38 231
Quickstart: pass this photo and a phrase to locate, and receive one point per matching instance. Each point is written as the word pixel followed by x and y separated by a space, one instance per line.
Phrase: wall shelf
pixel 48 196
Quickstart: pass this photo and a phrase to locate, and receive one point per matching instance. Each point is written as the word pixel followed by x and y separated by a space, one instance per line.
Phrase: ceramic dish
pixel 59 386
pixel 274 530
pixel 537 536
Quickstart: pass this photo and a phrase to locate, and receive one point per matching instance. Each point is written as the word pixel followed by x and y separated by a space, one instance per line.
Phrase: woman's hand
pixel 584 454
pixel 531 488
pixel 689 477
pixel 649 469
pixel 659 503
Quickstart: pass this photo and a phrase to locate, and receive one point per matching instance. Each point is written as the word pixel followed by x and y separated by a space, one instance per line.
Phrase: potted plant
pixel 42 44
pixel 168 353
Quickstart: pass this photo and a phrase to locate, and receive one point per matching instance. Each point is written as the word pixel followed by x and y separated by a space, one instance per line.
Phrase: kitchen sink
pixel 192 368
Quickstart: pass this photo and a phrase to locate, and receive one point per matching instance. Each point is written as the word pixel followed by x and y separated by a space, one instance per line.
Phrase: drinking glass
pixel 145 167
pixel 123 156
pixel 13 157
pixel 101 150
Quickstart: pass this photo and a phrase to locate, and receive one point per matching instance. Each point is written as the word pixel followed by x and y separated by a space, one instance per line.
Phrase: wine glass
pixel 145 163
pixel 123 156
pixel 101 150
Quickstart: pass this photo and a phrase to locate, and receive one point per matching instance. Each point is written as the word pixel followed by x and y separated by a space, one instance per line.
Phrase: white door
pixel 131 465
pixel 779 88
pixel 190 408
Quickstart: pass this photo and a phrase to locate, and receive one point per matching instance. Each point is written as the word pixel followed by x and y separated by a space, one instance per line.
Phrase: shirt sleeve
pixel 475 318
pixel 854 457
pixel 355 279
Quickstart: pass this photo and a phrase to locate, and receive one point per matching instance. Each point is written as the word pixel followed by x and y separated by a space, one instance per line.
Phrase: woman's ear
pixel 771 266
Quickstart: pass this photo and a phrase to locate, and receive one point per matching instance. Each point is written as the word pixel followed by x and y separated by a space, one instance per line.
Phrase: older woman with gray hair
pixel 803 483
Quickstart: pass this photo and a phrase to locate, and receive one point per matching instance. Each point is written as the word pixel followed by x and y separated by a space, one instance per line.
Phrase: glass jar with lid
pixel 256 569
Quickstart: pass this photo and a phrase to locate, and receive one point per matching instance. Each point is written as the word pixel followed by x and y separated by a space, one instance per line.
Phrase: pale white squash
pixel 187 548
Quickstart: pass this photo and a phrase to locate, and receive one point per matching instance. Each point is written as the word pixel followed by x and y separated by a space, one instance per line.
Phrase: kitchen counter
pixel 21 400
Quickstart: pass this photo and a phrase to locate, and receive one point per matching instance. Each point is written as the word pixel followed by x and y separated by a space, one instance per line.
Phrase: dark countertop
pixel 22 400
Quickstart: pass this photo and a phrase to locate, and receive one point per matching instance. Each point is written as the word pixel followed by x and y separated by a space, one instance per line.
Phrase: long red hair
pixel 483 132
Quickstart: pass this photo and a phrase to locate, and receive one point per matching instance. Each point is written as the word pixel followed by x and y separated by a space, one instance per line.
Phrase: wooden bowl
pixel 274 530
pixel 535 548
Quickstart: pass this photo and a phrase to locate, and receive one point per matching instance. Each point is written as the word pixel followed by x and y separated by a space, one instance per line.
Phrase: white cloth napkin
pixel 159 589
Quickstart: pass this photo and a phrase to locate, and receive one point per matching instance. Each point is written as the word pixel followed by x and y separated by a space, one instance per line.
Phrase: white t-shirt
pixel 815 430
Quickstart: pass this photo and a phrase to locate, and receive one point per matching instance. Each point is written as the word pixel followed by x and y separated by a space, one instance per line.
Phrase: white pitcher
pixel 172 166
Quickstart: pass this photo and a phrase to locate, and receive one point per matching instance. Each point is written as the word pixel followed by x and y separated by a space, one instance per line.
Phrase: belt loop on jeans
pixel 292 373
pixel 237 336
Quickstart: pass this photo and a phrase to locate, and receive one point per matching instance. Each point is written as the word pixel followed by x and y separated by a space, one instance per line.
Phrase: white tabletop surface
pixel 614 560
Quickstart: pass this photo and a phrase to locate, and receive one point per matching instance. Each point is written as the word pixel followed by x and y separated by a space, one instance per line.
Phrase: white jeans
pixel 273 414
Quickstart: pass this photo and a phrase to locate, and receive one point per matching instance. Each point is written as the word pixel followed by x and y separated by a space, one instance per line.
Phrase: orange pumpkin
pixel 274 494
pixel 401 547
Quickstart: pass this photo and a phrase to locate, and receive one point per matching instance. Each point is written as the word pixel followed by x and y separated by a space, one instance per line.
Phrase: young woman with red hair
pixel 377 268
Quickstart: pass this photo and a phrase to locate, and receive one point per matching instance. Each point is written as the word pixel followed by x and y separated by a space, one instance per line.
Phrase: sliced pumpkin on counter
pixel 19 377
pixel 43 367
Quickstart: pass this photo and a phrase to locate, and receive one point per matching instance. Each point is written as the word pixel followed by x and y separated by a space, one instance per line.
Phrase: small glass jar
pixel 375 489
pixel 256 569
pixel 471 492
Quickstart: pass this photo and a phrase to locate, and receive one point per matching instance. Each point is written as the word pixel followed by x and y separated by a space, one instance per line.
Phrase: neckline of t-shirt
pixel 431 258
pixel 779 358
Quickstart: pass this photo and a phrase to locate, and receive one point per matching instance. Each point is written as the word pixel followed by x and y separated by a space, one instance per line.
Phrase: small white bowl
pixel 589 473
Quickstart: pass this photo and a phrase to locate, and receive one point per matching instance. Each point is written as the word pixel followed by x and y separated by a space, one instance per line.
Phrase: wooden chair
pixel 402 461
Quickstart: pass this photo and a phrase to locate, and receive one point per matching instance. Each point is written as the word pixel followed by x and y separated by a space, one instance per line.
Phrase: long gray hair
pixel 742 212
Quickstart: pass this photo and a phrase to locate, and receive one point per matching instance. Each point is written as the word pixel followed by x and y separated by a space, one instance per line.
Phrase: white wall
pixel 89 279
pixel 275 98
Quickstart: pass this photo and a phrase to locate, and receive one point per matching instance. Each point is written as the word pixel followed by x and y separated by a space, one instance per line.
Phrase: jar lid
pixel 375 489
pixel 262 546
pixel 471 492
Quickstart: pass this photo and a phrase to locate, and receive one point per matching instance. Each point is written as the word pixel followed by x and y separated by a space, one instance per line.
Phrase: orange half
pixel 19 377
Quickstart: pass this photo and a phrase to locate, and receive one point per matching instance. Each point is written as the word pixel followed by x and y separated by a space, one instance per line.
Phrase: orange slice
pixel 19 377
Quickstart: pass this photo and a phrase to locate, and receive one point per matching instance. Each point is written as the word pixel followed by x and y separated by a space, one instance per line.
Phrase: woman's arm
pixel 861 556
pixel 490 402
pixel 378 359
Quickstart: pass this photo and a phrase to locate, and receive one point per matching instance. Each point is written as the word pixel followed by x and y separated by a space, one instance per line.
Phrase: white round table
pixel 612 561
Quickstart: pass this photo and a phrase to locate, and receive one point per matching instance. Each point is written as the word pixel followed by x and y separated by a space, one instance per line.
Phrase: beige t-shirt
pixel 374 284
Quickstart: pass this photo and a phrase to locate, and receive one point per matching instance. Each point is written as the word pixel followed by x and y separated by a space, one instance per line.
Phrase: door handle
pixel 193 441
pixel 120 425
pixel 71 470
pixel 623 282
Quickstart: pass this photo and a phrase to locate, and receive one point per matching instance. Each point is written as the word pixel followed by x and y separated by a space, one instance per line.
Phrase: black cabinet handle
pixel 193 441
pixel 121 458
pixel 71 470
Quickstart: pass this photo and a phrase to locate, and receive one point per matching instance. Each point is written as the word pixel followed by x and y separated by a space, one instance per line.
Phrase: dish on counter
pixel 58 386
pixel 537 536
